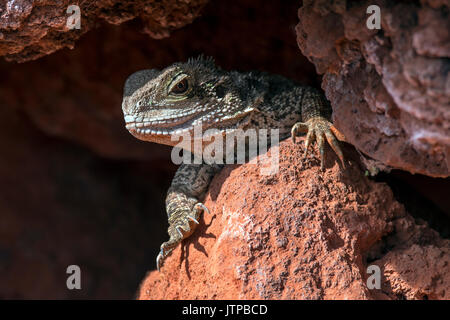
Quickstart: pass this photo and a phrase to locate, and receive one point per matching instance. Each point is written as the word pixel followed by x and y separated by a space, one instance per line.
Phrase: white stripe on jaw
pixel 129 118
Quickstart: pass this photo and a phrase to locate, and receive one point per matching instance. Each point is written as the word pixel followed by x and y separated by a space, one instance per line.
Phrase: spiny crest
pixel 202 61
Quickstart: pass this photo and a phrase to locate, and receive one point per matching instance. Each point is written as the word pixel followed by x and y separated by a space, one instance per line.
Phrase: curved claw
pixel 335 146
pixel 293 133
pixel 202 206
pixel 310 138
pixel 193 219
pixel 159 261
pixel 320 144
pixel 163 254
pixel 179 231
pixel 297 128
pixel 337 133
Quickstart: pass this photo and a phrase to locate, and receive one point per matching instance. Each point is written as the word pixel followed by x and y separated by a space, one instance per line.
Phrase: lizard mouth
pixel 146 128
pixel 141 126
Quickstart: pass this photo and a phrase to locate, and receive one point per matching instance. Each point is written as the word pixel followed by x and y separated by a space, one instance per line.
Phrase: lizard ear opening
pixel 220 91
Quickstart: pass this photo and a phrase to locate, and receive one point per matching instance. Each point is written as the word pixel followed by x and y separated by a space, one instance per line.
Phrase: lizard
pixel 160 103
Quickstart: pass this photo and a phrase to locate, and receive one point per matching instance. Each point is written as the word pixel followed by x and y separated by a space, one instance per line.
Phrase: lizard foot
pixel 319 129
pixel 180 228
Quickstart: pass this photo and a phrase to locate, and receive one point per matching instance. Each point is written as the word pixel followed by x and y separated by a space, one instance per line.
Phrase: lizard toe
pixel 297 128
pixel 319 130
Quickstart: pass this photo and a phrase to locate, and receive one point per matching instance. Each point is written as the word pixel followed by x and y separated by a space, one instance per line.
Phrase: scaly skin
pixel 158 104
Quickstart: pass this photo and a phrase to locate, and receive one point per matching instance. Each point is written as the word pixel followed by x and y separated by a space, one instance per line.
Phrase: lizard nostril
pixel 143 103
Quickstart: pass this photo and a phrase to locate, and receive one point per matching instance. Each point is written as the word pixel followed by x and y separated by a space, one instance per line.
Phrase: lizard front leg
pixel 316 112
pixel 183 204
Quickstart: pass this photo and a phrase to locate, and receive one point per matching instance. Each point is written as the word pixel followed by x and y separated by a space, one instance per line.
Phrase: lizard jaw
pixel 140 126
pixel 162 129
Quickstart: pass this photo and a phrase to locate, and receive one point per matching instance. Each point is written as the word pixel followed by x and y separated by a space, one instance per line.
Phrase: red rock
pixel 392 83
pixel 302 234
pixel 32 29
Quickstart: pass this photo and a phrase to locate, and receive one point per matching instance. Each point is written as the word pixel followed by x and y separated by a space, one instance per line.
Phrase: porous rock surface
pixel 389 88
pixel 303 234
pixel 30 29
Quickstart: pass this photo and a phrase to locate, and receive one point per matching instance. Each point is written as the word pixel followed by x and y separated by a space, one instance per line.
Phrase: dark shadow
pixel 219 180
pixel 423 197
pixel 199 233
pixel 201 248
pixel 184 256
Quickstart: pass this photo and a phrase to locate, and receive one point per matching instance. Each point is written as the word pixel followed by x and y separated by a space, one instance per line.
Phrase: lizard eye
pixel 180 87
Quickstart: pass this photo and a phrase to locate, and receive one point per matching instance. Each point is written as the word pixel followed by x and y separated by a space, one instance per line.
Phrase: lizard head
pixel 159 104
